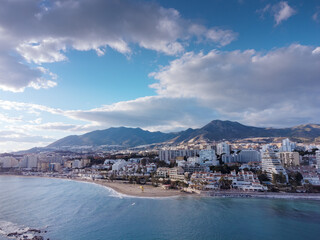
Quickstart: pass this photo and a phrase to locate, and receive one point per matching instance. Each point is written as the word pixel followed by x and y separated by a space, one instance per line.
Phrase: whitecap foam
pixel 18 232
pixel 7 228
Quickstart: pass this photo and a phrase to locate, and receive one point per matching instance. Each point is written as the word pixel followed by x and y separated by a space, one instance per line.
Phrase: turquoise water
pixel 73 211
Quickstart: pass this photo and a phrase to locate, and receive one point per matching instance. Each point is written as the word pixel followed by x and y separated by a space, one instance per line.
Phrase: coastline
pixel 134 190
pixel 266 195
pixel 123 189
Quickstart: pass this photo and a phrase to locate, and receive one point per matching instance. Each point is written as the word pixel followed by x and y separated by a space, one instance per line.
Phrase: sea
pixel 70 210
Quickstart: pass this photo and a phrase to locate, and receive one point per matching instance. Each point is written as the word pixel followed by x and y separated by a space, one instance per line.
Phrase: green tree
pixel 262 176
pixel 162 164
pixel 295 178
pixel 143 161
pixel 224 183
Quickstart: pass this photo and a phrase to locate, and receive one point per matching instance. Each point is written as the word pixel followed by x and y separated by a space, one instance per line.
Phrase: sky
pixel 74 66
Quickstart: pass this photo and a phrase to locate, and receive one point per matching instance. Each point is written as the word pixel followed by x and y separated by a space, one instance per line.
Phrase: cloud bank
pixel 277 88
pixel 40 32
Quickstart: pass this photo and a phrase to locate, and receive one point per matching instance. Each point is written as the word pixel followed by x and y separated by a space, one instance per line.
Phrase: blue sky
pixel 68 67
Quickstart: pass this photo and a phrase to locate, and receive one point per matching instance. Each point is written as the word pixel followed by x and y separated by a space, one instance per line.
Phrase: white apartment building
pixel 223 147
pixel 194 160
pixel 168 155
pixel 77 164
pixel 29 161
pixel 318 160
pixel 246 156
pixel 162 172
pixel 287 146
pixel 230 158
pixel 271 164
pixel 176 173
pixel 8 162
pixel 289 159
pixel 208 157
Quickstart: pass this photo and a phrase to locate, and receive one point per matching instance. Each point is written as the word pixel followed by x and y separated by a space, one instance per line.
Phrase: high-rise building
pixel 318 160
pixel 230 158
pixel 208 157
pixel 223 147
pixel 29 161
pixel 271 164
pixel 246 156
pixel 289 159
pixel 287 146
pixel 8 162
pixel 168 155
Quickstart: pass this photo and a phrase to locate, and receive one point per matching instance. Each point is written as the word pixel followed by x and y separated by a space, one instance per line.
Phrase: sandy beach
pixel 135 189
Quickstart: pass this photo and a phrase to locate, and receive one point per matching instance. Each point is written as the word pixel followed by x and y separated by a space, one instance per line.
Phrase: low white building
pixel 312 179
pixel 118 165
pixel 176 173
pixel 77 164
pixel 151 167
pixel 162 172
pixel 244 180
pixel 194 160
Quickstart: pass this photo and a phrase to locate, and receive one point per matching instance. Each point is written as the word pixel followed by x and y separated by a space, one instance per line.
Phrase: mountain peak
pixel 216 130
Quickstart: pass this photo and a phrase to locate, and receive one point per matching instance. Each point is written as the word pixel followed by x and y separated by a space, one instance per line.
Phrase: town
pixel 248 166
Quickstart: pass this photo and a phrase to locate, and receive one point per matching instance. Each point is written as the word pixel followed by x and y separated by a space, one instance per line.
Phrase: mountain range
pixel 213 131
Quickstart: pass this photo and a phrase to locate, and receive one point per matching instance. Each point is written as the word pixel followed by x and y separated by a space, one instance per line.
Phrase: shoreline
pixel 134 191
pixel 121 188
pixel 266 195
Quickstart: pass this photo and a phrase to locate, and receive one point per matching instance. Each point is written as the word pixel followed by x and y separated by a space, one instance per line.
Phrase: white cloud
pixel 223 37
pixel 315 16
pixel 15 76
pixel 220 36
pixel 43 33
pixel 60 126
pixel 15 141
pixel 152 113
pixel 280 11
pixel 47 51
pixel 9 119
pixel 13 136
pixel 239 84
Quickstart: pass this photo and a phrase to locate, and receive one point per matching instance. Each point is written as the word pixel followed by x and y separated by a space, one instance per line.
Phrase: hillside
pixel 115 136
pixel 213 131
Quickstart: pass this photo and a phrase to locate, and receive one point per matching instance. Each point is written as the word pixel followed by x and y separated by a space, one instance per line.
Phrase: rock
pixel 12 234
pixel 37 238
